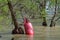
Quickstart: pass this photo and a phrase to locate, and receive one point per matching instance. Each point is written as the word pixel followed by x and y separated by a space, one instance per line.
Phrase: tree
pixel 43 12
pixel 16 30
pixel 52 20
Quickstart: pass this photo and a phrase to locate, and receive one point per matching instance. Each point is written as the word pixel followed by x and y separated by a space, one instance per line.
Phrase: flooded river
pixel 41 33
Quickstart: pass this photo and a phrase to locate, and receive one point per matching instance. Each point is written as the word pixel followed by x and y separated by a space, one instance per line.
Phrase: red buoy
pixel 28 27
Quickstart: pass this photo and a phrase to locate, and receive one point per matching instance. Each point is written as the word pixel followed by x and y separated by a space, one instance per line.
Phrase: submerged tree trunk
pixel 44 23
pixel 16 29
pixel 52 20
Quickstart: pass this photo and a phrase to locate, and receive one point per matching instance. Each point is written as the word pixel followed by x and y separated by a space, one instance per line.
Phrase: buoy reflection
pixel 29 37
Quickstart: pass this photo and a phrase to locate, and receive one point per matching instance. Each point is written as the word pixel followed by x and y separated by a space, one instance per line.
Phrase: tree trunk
pixel 42 6
pixel 44 23
pixel 16 30
pixel 52 20
pixel 12 14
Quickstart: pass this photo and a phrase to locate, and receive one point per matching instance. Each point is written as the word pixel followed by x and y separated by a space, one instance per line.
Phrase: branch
pixel 57 19
pixel 6 4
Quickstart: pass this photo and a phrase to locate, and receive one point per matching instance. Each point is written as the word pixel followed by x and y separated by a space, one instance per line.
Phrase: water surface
pixel 41 33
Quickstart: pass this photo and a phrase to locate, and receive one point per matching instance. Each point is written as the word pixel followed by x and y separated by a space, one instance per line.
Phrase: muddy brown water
pixel 41 33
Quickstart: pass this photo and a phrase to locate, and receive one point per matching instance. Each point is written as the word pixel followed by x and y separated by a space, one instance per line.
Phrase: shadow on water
pixel 24 37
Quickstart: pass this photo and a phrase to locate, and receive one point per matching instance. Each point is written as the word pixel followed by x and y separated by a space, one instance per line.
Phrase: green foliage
pixel 30 6
pixel 5 9
pixel 1 18
pixel 52 2
pixel 43 13
pixel 3 1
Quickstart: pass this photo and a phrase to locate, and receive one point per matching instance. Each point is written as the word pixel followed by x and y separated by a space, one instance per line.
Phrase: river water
pixel 40 33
